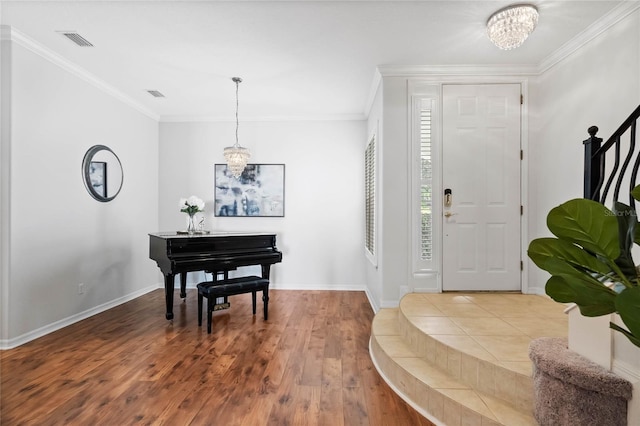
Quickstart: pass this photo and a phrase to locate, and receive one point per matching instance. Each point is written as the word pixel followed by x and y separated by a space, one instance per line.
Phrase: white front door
pixel 481 168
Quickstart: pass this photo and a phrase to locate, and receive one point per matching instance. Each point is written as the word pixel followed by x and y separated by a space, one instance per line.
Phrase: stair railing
pixel 597 167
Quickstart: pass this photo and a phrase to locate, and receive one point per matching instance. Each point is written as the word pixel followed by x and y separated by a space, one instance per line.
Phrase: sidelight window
pixel 426 186
pixel 424 202
pixel 370 197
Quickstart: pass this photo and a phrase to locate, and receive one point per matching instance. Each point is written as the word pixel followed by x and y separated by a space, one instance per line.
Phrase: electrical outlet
pixel 81 288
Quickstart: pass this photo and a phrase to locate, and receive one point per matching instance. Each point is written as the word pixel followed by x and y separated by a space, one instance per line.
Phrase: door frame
pixel 418 86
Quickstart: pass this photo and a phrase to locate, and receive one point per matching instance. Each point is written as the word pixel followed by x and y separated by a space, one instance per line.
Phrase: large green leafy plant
pixel 590 260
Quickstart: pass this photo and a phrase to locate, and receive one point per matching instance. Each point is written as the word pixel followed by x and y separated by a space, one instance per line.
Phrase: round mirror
pixel 102 173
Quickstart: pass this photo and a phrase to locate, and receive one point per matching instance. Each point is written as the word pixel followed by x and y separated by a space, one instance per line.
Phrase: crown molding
pixel 11 34
pixel 597 28
pixel 445 72
pixel 375 84
pixel 594 30
pixel 214 119
pixel 456 70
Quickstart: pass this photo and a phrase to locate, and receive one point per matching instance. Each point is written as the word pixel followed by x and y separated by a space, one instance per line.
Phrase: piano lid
pixel 170 246
pixel 174 234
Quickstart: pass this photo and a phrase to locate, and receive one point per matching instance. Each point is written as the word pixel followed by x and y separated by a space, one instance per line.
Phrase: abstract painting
pixel 258 192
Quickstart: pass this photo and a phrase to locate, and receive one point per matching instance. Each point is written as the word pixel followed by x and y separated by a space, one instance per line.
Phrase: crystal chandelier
pixel 508 28
pixel 236 155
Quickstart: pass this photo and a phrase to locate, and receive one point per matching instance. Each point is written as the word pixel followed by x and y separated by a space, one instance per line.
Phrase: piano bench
pixel 230 287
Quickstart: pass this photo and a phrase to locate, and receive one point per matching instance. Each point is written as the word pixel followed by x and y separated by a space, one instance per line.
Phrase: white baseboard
pixel 327 287
pixel 626 370
pixel 50 328
pixel 536 290
pixel 281 286
pixel 372 302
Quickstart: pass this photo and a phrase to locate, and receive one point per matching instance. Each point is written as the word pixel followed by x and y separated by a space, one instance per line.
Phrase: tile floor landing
pixel 462 358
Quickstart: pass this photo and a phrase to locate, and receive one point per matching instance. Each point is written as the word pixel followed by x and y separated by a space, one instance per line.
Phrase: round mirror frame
pixel 86 172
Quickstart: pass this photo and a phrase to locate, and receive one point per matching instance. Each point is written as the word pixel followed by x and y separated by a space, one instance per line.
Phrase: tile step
pixel 462 358
pixel 439 396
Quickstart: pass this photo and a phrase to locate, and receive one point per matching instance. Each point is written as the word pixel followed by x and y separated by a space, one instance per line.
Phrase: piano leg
pixel 183 285
pixel 266 270
pixel 168 294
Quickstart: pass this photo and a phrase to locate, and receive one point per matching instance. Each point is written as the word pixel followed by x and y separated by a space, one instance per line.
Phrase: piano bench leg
pixel 265 299
pixel 210 303
pixel 199 309
pixel 253 298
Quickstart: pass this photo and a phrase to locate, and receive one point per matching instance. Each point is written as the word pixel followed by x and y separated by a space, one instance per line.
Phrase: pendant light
pixel 236 155
pixel 508 28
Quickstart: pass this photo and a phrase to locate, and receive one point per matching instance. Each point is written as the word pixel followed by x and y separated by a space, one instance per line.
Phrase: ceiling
pixel 298 59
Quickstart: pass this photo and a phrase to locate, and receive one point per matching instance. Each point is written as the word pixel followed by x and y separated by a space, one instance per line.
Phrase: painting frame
pixel 258 192
pixel 98 177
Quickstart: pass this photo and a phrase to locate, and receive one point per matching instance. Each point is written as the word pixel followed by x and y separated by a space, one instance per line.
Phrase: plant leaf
pixel 593 300
pixel 635 193
pixel 626 217
pixel 566 270
pixel 595 310
pixel 542 249
pixel 628 306
pixel 588 224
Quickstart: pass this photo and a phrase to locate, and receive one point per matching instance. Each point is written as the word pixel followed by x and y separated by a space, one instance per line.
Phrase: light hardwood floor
pixel 308 364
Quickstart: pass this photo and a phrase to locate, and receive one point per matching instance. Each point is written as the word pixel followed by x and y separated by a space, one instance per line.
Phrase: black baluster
pixel 592 165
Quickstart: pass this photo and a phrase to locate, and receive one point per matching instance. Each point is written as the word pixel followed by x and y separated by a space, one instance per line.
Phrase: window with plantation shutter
pixel 426 185
pixel 370 198
pixel 424 203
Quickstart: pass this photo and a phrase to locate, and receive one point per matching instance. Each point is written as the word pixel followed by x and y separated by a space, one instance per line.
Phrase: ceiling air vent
pixel 155 93
pixel 76 38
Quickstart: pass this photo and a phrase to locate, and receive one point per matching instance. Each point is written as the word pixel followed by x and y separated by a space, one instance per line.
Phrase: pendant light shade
pixel 237 158
pixel 236 155
pixel 508 28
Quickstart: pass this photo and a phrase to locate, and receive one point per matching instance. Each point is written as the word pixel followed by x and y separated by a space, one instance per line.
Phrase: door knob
pixel 449 214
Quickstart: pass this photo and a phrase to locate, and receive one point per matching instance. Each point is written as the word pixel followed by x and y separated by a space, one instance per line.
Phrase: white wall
pixel 321 235
pixel 55 116
pixel 598 85
pixel 5 167
pixel 58 236
pixel 388 119
pixel 395 187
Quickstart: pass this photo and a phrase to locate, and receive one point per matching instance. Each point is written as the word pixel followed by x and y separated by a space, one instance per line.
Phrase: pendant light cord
pixel 236 155
pixel 237 81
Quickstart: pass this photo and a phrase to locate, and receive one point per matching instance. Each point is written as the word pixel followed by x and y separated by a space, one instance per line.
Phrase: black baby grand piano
pixel 216 252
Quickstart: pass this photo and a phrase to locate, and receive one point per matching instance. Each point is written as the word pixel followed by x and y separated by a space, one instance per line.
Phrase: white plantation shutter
pixel 370 199
pixel 426 186
pixel 424 203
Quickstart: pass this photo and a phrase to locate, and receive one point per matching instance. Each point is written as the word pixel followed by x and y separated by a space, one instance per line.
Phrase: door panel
pixel 481 166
